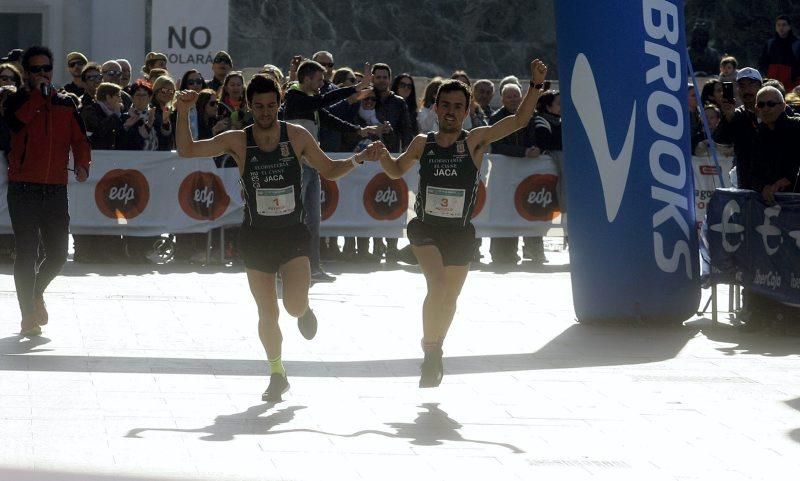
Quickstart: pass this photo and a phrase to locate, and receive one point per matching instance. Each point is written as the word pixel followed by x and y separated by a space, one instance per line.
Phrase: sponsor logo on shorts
pixel 329 197
pixel 536 198
pixel 385 198
pixel 122 194
pixel 202 196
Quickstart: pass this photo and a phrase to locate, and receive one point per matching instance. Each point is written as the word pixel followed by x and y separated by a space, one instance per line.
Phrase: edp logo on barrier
pixel 329 197
pixel 628 168
pixel 386 198
pixel 202 196
pixel 122 194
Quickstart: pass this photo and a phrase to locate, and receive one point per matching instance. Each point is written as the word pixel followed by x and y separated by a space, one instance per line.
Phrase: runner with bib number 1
pixel 442 236
pixel 273 237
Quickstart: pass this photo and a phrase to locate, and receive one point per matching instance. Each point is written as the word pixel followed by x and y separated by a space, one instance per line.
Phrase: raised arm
pixel 512 123
pixel 397 167
pixel 306 146
pixel 223 143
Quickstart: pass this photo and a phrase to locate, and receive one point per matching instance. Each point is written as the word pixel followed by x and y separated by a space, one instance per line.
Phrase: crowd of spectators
pixel 123 111
pixel 752 115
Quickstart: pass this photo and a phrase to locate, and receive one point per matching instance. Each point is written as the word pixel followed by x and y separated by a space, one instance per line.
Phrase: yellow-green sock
pixel 276 366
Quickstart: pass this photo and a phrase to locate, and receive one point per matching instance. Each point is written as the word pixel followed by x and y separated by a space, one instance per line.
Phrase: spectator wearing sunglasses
pixel 45 128
pixel 193 80
pixel 75 63
pixel 91 78
pixel 163 98
pixel 138 127
pixel 112 73
pixel 221 66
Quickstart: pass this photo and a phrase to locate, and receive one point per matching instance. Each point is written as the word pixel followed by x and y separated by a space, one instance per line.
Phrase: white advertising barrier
pixel 706 179
pixel 189 33
pixel 150 193
pixel 146 193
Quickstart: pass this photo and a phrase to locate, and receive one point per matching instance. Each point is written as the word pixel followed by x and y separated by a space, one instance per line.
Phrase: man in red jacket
pixel 45 126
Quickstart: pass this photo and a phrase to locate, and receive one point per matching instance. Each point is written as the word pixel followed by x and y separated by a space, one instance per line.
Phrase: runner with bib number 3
pixel 442 236
pixel 273 236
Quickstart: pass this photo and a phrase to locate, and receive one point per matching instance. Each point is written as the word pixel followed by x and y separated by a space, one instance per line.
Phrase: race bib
pixel 447 203
pixel 274 202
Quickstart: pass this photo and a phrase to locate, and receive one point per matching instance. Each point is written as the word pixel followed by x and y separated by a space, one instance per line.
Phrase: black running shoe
pixel 278 385
pixel 307 323
pixel 432 369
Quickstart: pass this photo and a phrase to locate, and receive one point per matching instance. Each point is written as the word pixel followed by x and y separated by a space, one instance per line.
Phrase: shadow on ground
pixel 576 347
pixel 761 343
pixel 431 427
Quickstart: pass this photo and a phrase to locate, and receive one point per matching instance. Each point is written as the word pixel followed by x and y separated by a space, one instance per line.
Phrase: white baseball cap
pixel 748 72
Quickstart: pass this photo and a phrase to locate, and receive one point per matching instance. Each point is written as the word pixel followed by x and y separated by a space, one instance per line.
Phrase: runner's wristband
pixel 537 86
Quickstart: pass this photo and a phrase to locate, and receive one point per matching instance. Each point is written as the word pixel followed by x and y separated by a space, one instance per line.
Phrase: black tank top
pixel 271 182
pixel 448 183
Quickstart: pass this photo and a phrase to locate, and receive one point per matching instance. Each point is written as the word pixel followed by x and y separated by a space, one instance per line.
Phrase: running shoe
pixel 432 369
pixel 278 385
pixel 29 327
pixel 307 323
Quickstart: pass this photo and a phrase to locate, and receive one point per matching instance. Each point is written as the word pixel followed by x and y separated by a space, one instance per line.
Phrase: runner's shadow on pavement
pixel 578 346
pixel 228 426
pixel 432 427
pixel 757 343
pixel 22 344
pixel 523 266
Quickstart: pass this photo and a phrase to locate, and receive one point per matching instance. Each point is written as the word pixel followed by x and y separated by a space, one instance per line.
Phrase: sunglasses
pixel 768 103
pixel 166 90
pixel 94 77
pixel 112 73
pixel 222 60
pixel 369 99
pixel 326 65
pixel 76 63
pixel 7 78
pixel 40 68
pixel 196 81
pixel 407 85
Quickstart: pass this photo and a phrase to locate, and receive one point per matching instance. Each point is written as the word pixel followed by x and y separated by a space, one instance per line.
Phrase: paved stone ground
pixel 157 374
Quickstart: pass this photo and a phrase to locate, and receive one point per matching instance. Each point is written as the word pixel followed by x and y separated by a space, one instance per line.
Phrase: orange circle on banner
pixel 536 198
pixel 480 199
pixel 330 197
pixel 385 198
pixel 122 194
pixel 202 196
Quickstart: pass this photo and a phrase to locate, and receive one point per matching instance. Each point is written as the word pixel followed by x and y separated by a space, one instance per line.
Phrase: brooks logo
pixel 613 172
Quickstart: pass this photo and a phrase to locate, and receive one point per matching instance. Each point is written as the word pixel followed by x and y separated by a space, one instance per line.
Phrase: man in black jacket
pixel 781 56
pixel 518 144
pixel 392 111
pixel 305 106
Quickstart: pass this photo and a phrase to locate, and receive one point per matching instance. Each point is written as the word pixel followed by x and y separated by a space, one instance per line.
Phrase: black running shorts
pixel 455 244
pixel 266 250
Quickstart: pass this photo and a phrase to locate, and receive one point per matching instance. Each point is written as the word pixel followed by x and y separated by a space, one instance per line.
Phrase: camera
pixel 727 91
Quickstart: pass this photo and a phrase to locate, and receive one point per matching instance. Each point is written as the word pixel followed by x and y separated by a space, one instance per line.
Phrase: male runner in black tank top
pixel 441 236
pixel 274 236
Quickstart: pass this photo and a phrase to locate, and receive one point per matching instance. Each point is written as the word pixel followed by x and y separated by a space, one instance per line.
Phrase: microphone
pixel 45 87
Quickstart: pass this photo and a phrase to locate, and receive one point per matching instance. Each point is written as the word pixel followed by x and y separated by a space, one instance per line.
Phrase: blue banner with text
pixel 755 244
pixel 633 247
